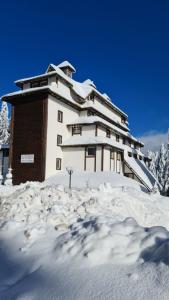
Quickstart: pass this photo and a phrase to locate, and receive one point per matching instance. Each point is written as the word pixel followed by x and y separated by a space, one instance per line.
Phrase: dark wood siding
pixel 29 126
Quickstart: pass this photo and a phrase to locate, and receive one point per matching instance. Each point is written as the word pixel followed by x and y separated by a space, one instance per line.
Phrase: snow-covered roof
pixel 96 119
pixel 140 170
pixel 98 140
pixel 49 88
pixel 83 90
pixel 89 82
pixel 65 64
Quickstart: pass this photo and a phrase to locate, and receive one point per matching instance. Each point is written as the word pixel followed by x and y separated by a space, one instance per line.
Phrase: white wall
pixel 54 128
pixel 88 130
pixel 98 158
pixel 106 159
pixel 104 109
pixel 74 157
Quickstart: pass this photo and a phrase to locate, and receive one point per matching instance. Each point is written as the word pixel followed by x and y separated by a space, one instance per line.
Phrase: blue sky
pixel 123 46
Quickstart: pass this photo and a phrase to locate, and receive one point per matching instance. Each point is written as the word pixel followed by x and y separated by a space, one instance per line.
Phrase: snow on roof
pixel 83 140
pixel 83 89
pixel 141 170
pixel 96 119
pixel 106 96
pixel 65 64
pixel 61 93
pixel 51 67
pixel 89 82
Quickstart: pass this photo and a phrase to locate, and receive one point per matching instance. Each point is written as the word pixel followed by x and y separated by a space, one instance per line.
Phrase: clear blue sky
pixel 123 46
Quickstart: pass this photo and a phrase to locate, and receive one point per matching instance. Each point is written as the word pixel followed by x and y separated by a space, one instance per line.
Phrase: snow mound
pixel 102 240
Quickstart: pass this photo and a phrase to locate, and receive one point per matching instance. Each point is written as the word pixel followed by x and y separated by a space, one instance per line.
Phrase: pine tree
pixel 4 124
pixel 159 166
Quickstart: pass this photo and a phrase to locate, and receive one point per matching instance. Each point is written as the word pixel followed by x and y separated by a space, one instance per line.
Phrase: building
pixel 4 160
pixel 59 122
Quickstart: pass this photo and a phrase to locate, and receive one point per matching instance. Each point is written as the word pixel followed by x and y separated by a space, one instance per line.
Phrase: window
pixel 124 140
pixel 90 113
pixel 108 133
pixel 135 156
pixel 140 157
pixel 129 141
pixel 35 84
pixel 91 151
pixel 91 97
pixel 118 156
pixel 122 120
pixel 59 140
pixel 112 154
pixel 39 83
pixel 60 116
pixel 76 129
pixel 43 82
pixel 129 154
pixel 117 138
pixel 58 163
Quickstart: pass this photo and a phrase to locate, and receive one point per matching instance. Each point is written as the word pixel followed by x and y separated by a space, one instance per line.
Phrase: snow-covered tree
pixel 4 124
pixel 159 166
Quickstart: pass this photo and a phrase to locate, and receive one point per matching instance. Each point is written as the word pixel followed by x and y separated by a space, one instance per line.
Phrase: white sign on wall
pixel 27 158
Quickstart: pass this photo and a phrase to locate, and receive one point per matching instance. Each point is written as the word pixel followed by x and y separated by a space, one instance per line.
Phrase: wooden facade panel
pixel 29 137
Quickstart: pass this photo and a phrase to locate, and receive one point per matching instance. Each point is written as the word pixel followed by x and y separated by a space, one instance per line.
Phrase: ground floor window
pixel 91 151
pixel 58 163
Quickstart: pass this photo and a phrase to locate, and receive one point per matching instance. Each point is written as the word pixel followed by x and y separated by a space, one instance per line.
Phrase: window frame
pixel 74 128
pixel 87 151
pixel 117 138
pixel 130 154
pixel 60 116
pixel 59 137
pixel 108 133
pixel 58 160
pixel 123 120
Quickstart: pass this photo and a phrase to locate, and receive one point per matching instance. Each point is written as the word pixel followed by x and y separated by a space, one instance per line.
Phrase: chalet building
pixel 59 122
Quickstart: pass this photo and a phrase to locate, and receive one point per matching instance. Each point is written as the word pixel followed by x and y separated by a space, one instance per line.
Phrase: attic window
pixel 35 84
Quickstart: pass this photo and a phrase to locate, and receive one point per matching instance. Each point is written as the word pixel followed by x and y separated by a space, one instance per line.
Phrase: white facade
pixel 93 133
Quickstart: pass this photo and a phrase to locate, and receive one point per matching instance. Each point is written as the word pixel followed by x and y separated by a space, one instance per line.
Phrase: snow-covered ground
pixel 107 238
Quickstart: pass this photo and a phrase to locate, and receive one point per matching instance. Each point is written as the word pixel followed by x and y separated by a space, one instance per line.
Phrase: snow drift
pixel 97 241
